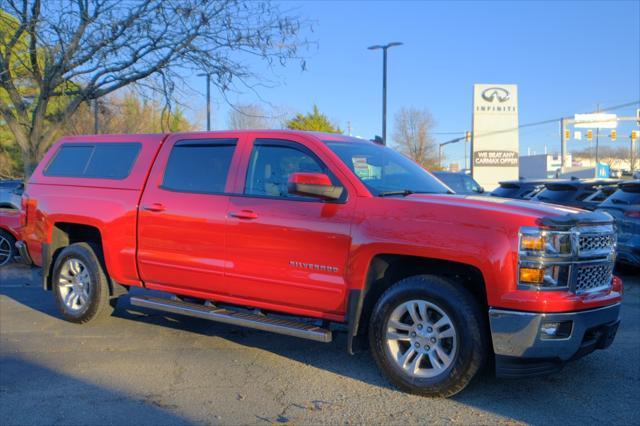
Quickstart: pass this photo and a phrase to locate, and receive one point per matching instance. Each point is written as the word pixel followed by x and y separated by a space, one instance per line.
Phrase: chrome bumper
pixel 519 334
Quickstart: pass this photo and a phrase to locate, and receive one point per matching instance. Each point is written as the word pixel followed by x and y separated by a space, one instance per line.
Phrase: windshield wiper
pixel 403 192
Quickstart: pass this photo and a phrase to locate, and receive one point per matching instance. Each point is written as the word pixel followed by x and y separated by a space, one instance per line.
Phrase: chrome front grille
pixel 593 277
pixel 596 243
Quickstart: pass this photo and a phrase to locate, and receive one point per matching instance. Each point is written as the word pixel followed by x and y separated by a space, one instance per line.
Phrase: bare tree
pixel 249 116
pixel 412 135
pixel 55 56
pixel 610 155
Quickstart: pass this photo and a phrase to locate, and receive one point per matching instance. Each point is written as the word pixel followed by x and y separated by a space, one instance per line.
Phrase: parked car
pixel 9 234
pixel 329 228
pixel 520 189
pixel 10 193
pixel 461 183
pixel 573 192
pixel 624 206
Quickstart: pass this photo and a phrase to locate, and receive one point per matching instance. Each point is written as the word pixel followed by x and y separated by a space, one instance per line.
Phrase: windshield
pixel 629 195
pixel 558 193
pixel 385 171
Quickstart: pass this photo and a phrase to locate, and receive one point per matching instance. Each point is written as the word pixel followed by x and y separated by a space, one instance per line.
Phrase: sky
pixel 566 58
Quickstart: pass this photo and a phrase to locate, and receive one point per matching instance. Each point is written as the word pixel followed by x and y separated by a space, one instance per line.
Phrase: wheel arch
pixel 64 234
pixel 386 269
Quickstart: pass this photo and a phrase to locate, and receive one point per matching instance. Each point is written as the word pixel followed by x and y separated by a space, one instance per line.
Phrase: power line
pixel 521 126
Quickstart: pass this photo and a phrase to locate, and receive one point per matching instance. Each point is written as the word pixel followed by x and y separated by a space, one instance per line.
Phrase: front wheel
pixel 428 336
pixel 80 284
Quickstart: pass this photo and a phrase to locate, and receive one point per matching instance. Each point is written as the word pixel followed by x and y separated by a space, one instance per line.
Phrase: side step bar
pixel 229 316
pixel 23 251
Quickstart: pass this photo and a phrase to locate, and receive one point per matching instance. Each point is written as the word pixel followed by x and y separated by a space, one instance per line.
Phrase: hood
pixel 550 215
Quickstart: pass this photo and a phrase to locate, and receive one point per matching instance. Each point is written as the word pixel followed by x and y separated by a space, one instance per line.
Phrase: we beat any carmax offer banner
pixel 495 144
pixel 495 159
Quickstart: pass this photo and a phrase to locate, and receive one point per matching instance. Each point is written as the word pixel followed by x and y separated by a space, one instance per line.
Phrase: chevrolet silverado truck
pixel 309 234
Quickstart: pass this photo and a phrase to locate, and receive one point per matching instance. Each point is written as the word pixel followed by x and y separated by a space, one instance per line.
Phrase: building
pixel 541 166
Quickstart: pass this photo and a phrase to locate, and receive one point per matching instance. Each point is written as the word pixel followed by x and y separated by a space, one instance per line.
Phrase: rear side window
pixel 98 161
pixel 200 166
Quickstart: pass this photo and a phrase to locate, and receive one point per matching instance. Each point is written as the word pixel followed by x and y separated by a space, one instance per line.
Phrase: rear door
pixel 182 216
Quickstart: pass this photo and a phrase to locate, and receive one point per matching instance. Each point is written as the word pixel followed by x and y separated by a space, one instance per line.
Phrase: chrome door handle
pixel 244 214
pixel 155 207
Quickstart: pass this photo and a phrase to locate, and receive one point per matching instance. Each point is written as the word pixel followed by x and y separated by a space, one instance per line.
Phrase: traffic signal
pixel 613 135
pixel 634 135
pixel 589 134
pixel 567 134
pixel 467 137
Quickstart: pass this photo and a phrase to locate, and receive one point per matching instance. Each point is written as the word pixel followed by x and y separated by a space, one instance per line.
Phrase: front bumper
pixel 522 349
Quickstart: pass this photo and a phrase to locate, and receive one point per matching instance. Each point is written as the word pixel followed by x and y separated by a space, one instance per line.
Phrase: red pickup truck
pixel 306 234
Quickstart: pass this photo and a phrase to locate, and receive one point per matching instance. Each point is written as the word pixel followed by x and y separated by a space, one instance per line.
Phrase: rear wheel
pixel 7 247
pixel 80 284
pixel 428 336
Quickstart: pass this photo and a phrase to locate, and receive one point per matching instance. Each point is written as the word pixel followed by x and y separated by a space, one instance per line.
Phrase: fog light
pixel 555 329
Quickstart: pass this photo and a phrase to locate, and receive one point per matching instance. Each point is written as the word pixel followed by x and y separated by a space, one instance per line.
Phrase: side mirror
pixel 313 185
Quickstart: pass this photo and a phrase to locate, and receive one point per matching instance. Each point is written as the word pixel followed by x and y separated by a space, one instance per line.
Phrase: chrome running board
pixel 241 318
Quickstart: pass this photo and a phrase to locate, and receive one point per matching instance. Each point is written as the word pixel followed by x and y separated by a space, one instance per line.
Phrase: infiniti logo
pixel 493 94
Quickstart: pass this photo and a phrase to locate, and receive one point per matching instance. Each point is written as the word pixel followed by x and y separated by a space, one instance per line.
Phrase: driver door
pixel 287 249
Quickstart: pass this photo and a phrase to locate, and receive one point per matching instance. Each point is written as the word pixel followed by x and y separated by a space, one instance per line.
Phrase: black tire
pixel 466 317
pixel 98 306
pixel 7 247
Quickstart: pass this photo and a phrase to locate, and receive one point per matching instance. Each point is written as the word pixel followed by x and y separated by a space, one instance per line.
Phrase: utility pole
pixel 96 123
pixel 208 76
pixel 384 85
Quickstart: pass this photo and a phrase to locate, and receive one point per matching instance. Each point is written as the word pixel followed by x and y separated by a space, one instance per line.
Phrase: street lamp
pixel 384 84
pixel 208 98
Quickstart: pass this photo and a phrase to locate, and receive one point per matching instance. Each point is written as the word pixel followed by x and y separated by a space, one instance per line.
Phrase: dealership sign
pixel 494 148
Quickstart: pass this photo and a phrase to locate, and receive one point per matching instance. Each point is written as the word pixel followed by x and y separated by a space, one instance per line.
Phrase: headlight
pixel 537 250
pixel 544 243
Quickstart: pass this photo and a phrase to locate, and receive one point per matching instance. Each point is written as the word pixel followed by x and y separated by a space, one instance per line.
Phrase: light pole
pixel 208 98
pixel 384 84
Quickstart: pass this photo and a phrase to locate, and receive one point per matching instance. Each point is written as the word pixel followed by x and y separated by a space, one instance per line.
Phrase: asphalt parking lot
pixel 144 367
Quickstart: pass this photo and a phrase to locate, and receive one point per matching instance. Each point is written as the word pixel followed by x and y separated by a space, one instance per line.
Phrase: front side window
pixel 200 166
pixel 98 161
pixel 385 171
pixel 271 165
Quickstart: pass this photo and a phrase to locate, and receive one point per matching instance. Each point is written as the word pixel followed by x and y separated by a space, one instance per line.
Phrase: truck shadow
pixel 600 383
pixel 66 400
